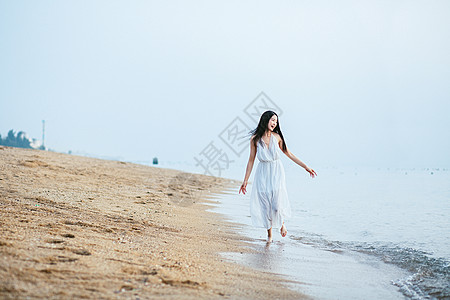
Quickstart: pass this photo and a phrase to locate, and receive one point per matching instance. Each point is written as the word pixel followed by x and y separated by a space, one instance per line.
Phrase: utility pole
pixel 43 134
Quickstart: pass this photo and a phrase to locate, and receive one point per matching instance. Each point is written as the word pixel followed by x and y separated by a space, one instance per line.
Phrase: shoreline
pixel 79 227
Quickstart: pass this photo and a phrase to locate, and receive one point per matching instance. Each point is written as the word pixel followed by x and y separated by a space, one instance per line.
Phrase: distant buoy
pixel 155 160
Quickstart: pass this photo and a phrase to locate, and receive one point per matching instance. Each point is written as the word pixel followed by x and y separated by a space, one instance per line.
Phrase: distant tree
pixel 22 140
pixel 11 140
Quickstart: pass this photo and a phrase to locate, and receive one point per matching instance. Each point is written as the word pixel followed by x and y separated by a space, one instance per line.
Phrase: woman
pixel 269 203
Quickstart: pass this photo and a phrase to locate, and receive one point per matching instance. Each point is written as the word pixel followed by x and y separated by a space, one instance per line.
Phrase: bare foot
pixel 283 231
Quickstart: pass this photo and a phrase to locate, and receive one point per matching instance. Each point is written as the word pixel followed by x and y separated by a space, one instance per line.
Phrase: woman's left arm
pixel 296 159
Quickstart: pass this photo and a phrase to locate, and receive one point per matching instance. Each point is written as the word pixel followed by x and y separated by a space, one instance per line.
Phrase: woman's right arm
pixel 251 160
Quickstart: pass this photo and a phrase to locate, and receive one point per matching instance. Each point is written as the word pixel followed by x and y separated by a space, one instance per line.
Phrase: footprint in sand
pixel 54 241
pixel 81 252
pixel 53 260
pixel 68 235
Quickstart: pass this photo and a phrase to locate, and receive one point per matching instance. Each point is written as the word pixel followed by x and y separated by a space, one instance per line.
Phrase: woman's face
pixel 272 123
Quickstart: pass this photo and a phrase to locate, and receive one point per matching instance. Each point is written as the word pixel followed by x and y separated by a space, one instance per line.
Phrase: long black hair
pixel 258 132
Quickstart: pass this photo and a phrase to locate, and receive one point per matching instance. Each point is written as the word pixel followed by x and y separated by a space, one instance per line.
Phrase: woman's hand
pixel 311 172
pixel 243 187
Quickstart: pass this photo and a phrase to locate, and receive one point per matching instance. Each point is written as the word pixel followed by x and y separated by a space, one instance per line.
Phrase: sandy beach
pixel 78 227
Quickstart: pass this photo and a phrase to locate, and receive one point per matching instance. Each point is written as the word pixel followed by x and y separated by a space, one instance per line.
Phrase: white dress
pixel 269 203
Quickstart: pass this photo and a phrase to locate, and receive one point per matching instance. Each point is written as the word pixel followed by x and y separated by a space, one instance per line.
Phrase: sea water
pixel 355 233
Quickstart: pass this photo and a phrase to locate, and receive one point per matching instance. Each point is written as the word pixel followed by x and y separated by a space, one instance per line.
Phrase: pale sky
pixel 360 83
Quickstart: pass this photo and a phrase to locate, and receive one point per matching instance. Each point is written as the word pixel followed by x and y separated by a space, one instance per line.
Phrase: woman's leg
pixel 269 235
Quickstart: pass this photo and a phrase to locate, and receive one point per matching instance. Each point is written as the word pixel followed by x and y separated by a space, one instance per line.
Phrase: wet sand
pixel 77 227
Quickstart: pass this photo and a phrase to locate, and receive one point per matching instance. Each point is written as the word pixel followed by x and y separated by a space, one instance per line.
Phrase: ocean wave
pixel 429 276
